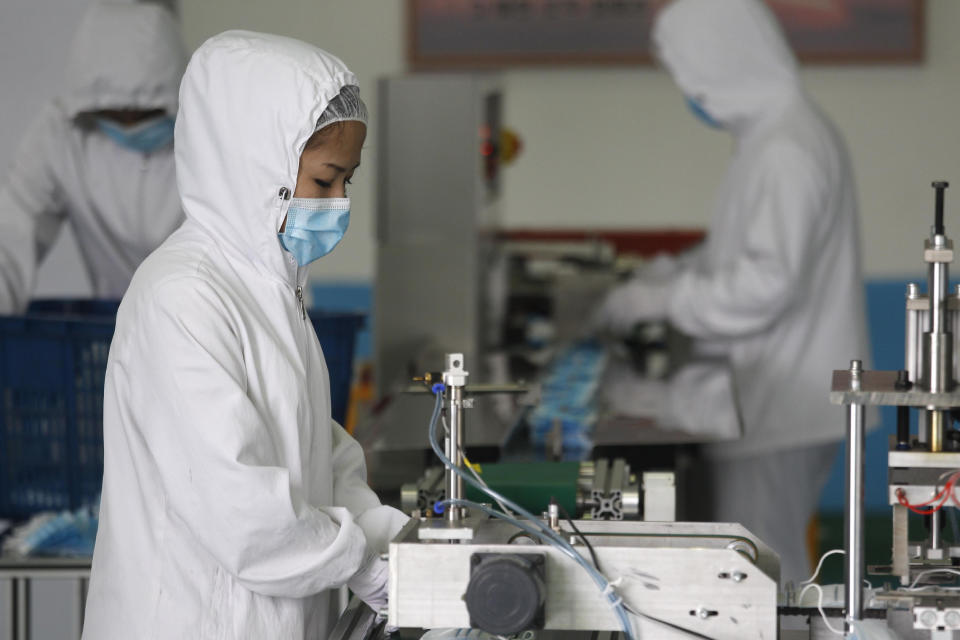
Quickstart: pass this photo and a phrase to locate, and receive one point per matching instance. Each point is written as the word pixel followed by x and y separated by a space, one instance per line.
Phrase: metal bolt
pixel 384 556
pixel 739 576
pixel 903 380
pixel 702 613
pixel 553 516
pixel 856 368
pixel 913 290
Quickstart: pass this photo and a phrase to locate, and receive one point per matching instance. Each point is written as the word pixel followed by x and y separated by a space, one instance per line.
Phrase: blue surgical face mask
pixel 314 227
pixel 145 137
pixel 702 114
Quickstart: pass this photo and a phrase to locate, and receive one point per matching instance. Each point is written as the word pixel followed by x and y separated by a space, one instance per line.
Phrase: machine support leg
pixel 853 522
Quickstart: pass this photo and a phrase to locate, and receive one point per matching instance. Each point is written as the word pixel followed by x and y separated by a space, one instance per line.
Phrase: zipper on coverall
pixel 284 194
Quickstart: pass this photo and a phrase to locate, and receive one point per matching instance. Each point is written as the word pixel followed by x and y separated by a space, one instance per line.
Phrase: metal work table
pixel 22 571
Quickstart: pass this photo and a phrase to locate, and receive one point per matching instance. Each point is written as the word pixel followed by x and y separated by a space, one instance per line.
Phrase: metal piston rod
pixel 938 340
pixel 455 378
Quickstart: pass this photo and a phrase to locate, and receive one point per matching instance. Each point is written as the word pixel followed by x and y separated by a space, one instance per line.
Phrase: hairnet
pixel 347 105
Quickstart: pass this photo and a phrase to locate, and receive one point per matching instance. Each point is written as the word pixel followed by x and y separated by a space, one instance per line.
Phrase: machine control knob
pixel 506 592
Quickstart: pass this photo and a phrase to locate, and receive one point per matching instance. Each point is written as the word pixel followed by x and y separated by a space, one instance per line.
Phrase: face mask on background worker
pixel 145 136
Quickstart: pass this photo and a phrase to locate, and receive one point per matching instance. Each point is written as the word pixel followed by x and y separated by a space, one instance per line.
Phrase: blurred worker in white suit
pixel 777 285
pixel 99 156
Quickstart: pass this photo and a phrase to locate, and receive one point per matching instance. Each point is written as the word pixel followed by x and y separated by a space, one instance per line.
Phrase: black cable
pixel 677 627
pixel 596 563
pixel 593 554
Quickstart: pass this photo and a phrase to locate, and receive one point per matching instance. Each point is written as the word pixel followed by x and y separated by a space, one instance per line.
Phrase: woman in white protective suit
pixel 232 503
pixel 99 156
pixel 777 285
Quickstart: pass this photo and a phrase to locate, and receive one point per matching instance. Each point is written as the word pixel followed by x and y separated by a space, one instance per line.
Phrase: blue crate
pixel 52 365
pixel 337 333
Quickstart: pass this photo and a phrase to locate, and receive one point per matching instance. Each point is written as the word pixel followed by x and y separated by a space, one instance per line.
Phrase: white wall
pixel 616 147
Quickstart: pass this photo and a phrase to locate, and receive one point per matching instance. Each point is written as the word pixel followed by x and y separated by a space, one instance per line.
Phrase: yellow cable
pixel 473 466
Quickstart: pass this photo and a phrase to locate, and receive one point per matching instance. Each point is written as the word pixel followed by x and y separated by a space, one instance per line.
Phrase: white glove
pixel 660 268
pixel 371 583
pixel 636 301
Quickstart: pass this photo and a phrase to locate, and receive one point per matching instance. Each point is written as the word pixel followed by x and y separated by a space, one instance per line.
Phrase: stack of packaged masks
pixel 568 408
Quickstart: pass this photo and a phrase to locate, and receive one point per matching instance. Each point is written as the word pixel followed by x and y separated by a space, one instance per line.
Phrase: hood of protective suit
pixel 248 104
pixel 125 56
pixel 729 55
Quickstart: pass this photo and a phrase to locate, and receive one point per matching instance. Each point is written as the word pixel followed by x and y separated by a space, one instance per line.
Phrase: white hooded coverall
pixel 777 287
pixel 232 502
pixel 121 204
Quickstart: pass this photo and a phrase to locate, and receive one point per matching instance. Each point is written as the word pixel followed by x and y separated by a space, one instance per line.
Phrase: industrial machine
pixel 450 279
pixel 503 570
pixel 596 489
pixel 442 288
pixel 924 465
pixel 477 562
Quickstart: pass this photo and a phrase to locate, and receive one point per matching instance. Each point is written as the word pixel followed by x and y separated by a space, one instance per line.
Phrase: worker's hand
pixel 370 584
pixel 660 268
pixel 636 301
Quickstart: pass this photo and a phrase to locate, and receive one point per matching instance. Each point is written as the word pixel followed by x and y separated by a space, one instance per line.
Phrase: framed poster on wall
pixel 472 34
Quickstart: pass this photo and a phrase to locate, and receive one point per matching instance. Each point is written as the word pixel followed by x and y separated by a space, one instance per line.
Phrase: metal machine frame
pixel 714 579
pixel 917 463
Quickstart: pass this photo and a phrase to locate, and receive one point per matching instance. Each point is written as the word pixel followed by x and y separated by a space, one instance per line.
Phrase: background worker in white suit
pixel 98 157
pixel 777 285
